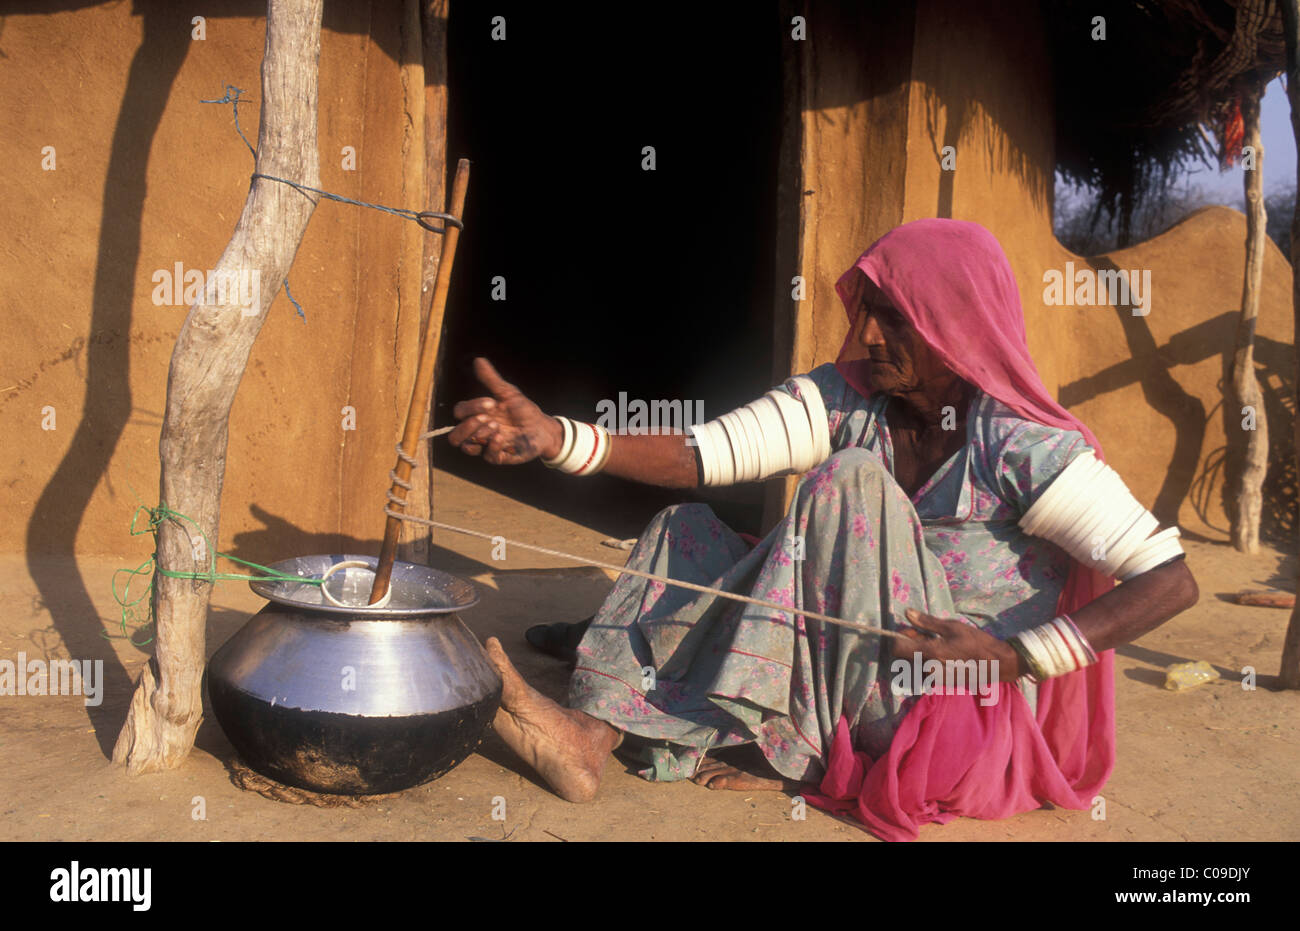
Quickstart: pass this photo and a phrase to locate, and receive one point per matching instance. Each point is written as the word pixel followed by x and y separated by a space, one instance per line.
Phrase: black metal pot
pixel 349 699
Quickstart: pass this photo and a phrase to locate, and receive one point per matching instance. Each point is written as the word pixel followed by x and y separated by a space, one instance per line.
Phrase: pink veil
pixel 951 755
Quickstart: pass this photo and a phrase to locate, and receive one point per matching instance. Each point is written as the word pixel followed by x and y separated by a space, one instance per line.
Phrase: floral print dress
pixel 684 671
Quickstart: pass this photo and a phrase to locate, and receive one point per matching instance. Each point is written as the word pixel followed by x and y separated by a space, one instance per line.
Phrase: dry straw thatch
pixel 1132 110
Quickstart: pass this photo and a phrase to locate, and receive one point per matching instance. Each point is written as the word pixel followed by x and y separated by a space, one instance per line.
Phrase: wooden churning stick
pixel 423 384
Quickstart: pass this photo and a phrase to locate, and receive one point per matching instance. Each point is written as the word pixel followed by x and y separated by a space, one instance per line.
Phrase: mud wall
pixel 976 130
pixel 146 176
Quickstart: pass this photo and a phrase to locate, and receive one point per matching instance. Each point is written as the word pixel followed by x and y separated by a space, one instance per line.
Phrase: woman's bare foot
pixel 716 774
pixel 566 747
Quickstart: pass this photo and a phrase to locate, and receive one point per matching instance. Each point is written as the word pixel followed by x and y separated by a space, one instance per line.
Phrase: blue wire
pixel 403 212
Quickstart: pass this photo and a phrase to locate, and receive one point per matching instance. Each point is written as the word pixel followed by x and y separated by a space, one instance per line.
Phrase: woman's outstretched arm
pixel 509 429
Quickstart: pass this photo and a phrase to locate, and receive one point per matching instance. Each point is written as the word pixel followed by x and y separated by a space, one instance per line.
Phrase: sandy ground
pixel 1214 763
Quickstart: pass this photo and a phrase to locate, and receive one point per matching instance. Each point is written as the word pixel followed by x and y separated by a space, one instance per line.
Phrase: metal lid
pixel 415 590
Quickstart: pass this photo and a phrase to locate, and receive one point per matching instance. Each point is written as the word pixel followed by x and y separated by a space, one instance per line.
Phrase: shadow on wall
pixel 1148 365
pixel 58 512
pixel 107 404
pixel 1013 141
pixel 992 111
pixel 966 118
pixel 1185 477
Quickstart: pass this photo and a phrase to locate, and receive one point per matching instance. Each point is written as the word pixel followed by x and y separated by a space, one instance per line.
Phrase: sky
pixel 1279 154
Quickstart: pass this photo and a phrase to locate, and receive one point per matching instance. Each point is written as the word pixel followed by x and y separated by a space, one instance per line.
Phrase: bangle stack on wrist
pixel 584 451
pixel 1053 649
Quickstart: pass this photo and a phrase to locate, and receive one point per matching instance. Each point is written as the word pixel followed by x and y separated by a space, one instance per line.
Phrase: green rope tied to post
pixel 150 566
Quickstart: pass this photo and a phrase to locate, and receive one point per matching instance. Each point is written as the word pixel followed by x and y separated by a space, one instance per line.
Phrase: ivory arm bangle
pixel 775 435
pixel 1088 502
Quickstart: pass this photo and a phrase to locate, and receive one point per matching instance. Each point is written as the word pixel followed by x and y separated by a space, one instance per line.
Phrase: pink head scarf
pixel 953 284
pixel 952 756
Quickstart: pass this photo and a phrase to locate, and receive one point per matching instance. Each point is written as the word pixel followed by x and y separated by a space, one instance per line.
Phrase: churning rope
pixel 624 570
pixel 162 512
pixel 232 97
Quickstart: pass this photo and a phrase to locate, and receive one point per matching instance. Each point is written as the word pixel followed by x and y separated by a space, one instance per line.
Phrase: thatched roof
pixel 1133 109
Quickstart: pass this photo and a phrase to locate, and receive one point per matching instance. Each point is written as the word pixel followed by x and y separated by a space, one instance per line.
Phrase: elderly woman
pixel 926 447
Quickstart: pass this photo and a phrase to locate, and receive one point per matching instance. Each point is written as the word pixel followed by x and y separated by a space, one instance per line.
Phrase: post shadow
pixel 1149 366
pixel 107 402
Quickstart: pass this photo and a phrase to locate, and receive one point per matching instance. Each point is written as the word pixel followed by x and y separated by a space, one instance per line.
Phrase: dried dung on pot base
pixel 245 778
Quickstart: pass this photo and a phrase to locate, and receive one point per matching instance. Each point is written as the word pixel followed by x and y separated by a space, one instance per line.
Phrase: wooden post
pixel 1245 386
pixel 1289 674
pixel 207 366
pixel 435 13
pixel 789 330
pixel 413 539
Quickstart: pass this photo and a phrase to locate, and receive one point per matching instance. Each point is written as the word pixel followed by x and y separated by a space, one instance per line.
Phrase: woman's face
pixel 901 362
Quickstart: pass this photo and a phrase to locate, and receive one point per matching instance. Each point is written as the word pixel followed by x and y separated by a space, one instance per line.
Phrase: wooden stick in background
pixel 423 381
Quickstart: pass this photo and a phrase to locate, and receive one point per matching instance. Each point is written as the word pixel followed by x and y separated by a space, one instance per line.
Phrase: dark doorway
pixel 654 283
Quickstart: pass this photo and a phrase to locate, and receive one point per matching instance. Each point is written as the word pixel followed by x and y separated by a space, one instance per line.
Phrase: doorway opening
pixel 656 284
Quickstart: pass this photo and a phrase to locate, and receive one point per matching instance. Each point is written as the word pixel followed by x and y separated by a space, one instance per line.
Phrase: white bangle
pixel 1089 512
pixel 778 434
pixel 1056 648
pixel 584 451
pixel 566 443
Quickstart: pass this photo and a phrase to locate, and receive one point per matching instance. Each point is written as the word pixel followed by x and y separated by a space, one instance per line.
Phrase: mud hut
pixel 781 140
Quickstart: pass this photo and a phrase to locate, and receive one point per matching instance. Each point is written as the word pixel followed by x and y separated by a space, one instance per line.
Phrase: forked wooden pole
pixel 423 383
pixel 207 365
pixel 1245 390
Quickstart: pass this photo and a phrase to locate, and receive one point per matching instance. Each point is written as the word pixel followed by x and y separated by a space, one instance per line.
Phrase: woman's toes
pixel 709 771
pixel 714 774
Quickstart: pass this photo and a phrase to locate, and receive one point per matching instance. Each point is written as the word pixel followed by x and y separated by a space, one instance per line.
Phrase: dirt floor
pixel 1214 763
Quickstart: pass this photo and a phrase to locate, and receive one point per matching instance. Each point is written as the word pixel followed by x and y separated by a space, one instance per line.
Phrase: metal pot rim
pixel 417 591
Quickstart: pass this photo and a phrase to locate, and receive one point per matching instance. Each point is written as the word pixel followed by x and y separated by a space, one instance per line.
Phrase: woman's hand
pixel 507 428
pixel 957 641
